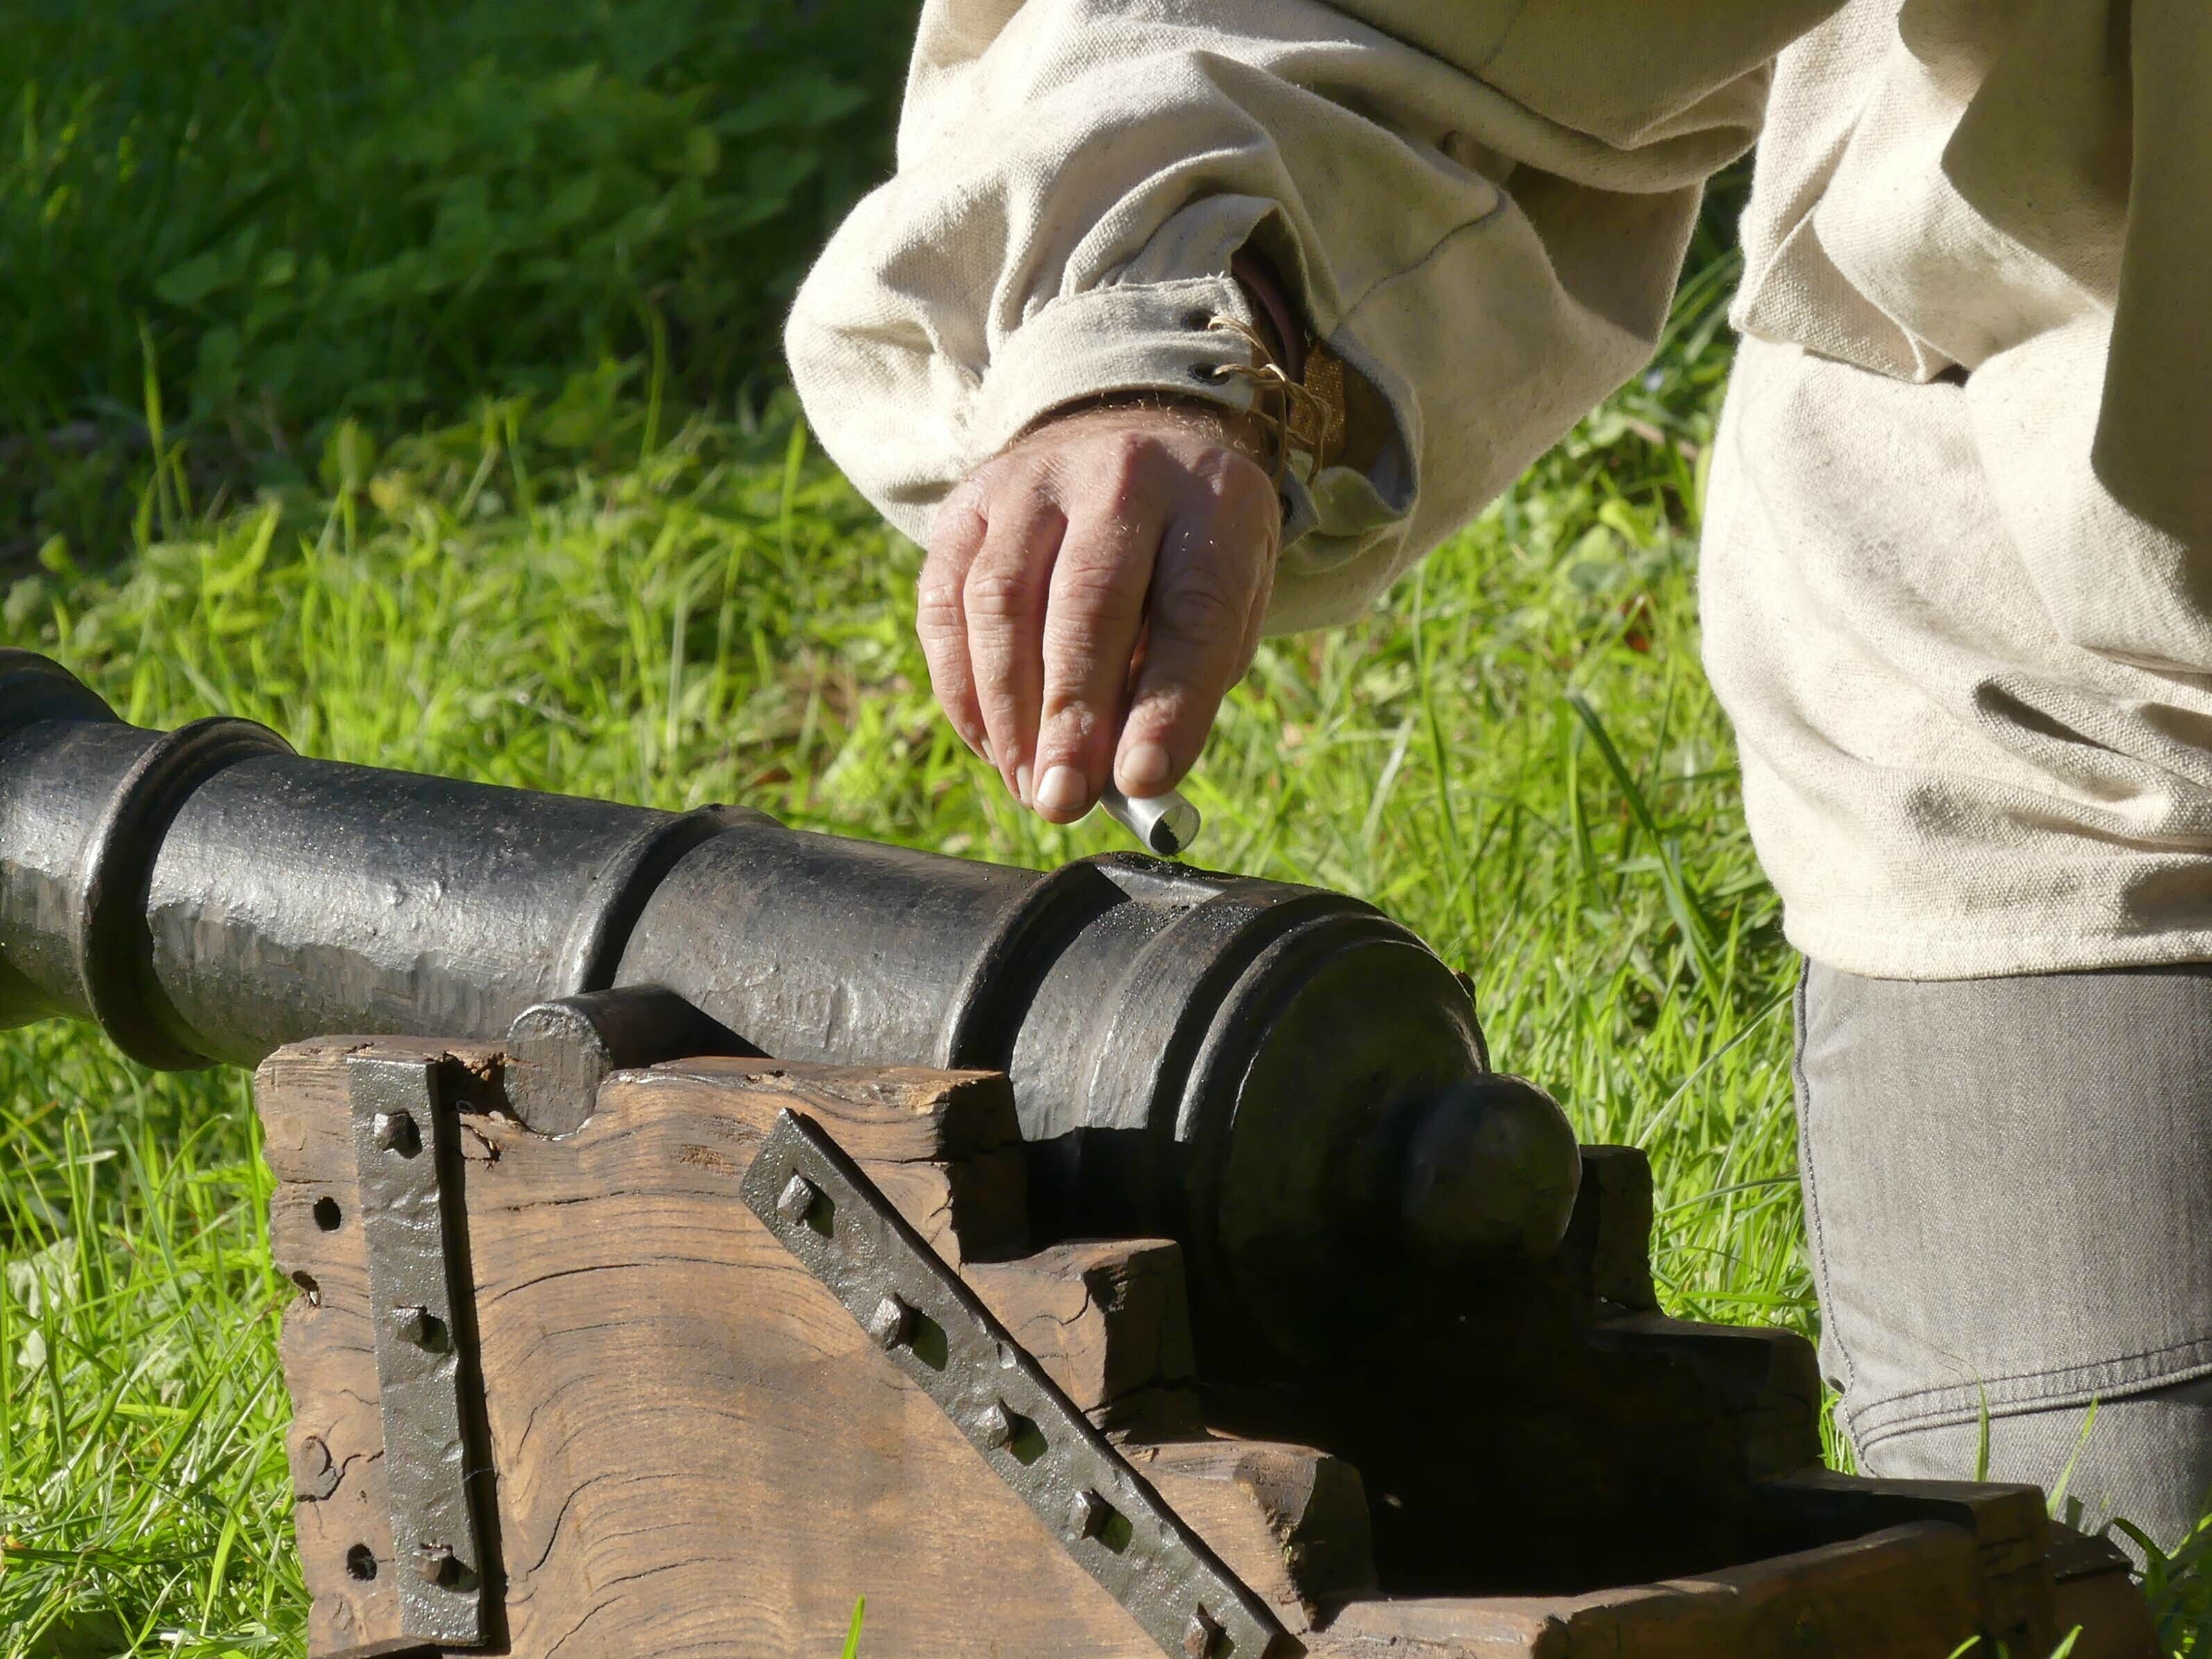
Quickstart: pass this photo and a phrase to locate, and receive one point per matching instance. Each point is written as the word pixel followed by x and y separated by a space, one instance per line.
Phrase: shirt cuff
pixel 1154 337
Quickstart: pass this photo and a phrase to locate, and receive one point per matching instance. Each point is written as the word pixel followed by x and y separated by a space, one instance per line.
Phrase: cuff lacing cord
pixel 1304 414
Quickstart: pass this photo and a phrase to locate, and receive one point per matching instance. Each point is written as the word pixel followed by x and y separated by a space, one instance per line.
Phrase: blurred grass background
pixel 403 376
pixel 386 206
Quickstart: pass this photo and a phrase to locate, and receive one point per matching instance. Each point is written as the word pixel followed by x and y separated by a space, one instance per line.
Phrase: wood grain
pixel 943 1147
pixel 697 1449
pixel 880 1114
pixel 2008 1525
pixel 1289 1521
pixel 1906 1592
pixel 1109 1321
pixel 341 1511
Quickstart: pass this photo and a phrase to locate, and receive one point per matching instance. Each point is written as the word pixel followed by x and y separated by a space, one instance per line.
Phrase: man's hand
pixel 1092 594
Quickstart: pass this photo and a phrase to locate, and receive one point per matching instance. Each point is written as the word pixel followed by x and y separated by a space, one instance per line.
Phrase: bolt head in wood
pixel 795 1203
pixel 416 1326
pixel 438 1567
pixel 1201 1637
pixel 994 1425
pixel 892 1323
pixel 395 1132
pixel 1087 1515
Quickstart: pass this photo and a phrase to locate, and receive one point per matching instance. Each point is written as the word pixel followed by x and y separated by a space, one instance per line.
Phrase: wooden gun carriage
pixel 717 1224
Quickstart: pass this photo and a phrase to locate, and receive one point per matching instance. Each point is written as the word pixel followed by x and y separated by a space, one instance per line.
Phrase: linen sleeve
pixel 1480 207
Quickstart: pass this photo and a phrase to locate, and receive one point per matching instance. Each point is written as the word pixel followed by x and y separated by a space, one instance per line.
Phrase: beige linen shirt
pixel 1952 591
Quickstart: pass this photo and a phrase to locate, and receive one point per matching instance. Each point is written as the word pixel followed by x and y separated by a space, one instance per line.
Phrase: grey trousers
pixel 2008 1201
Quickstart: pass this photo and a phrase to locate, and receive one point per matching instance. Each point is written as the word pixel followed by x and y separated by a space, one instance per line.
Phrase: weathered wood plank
pixel 1608 1242
pixel 1906 1591
pixel 341 1511
pixel 2095 1593
pixel 2008 1525
pixel 1105 1318
pixel 698 1447
pixel 698 1450
pixel 1289 1521
pixel 943 1147
pixel 336 1441
pixel 879 1115
pixel 299 1091
pixel 1501 1627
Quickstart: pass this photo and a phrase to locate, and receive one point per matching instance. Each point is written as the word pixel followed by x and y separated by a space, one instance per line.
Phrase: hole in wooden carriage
pixel 310 1288
pixel 328 1216
pixel 360 1564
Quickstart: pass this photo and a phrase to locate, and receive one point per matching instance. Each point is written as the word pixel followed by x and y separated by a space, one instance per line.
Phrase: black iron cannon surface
pixel 1282 1078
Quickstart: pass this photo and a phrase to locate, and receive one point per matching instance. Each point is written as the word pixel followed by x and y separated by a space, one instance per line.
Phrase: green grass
pixel 388 205
pixel 577 587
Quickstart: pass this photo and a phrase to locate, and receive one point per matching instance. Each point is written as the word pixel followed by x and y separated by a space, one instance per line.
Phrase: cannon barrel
pixel 1237 1063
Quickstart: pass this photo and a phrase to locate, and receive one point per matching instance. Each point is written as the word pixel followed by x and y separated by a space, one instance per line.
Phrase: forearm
pixel 1035 348
pixel 1077 176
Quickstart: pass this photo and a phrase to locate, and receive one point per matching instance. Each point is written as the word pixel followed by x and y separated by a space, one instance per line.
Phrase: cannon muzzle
pixel 1252 1067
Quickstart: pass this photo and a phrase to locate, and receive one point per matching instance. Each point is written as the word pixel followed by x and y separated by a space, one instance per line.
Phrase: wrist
pixel 1244 431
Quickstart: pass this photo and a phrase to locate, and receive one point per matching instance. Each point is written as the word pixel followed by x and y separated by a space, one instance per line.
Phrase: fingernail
pixel 1022 785
pixel 1144 770
pixel 984 749
pixel 1061 793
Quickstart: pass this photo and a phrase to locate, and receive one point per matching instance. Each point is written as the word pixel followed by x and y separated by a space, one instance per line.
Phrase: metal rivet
pixel 892 1322
pixel 437 1565
pixel 395 1132
pixel 415 1325
pixel 994 1425
pixel 1201 1636
pixel 795 1203
pixel 1087 1517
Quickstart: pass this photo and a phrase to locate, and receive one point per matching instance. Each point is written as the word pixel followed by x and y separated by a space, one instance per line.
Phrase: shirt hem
pixel 1919 954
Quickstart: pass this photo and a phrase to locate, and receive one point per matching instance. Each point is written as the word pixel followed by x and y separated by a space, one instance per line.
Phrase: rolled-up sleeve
pixel 1481 208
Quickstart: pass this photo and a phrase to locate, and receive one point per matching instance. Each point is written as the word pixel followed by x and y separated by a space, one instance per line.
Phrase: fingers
pixel 1108 543
pixel 940 615
pixel 1209 595
pixel 1094 612
pixel 1004 600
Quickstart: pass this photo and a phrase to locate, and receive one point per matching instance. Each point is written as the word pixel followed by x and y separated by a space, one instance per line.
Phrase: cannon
pixel 699 1223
